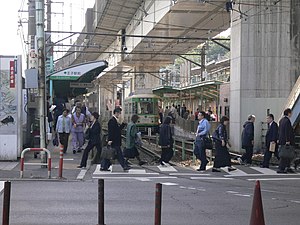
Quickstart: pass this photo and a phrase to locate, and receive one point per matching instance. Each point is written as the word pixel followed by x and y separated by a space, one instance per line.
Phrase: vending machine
pixel 10 107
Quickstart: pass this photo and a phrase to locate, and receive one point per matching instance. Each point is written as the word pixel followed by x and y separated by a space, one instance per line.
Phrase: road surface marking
pixel 8 165
pixel 137 171
pixel 169 184
pixel 235 173
pixel 135 178
pixel 231 192
pixel 81 174
pixel 1 186
pixel 276 179
pixel 188 174
pixel 295 201
pixel 68 159
pixel 142 179
pixel 265 171
pixel 191 188
pixel 243 195
pixel 211 178
pixel 167 169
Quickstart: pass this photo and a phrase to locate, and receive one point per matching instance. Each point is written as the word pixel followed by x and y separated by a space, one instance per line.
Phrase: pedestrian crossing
pixel 8 165
pixel 147 173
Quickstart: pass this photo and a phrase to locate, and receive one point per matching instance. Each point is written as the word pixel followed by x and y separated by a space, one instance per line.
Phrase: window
pixel 145 106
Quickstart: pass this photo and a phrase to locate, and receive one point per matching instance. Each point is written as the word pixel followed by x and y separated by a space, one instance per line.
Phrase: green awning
pixel 78 75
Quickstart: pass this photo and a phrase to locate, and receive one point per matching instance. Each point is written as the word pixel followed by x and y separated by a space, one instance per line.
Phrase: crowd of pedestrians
pixel 83 125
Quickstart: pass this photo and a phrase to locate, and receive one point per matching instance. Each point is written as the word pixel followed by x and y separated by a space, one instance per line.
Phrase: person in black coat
pixel 222 157
pixel 286 138
pixel 115 140
pixel 94 139
pixel 271 137
pixel 248 141
pixel 166 142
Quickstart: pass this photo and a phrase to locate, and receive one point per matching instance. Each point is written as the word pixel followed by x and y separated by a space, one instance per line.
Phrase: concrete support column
pixel 144 81
pixel 263 66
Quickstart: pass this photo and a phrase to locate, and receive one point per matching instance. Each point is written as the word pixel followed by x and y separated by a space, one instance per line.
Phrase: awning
pixel 208 89
pixel 74 80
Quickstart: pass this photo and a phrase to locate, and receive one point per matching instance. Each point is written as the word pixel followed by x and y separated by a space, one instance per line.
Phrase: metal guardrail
pixel 183 148
pixel 22 163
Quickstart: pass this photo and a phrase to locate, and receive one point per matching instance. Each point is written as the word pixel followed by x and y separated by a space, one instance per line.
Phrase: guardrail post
pixel 174 148
pixel 158 194
pixel 101 202
pixel 61 160
pixel 6 203
pixel 156 140
pixel 183 150
pixel 194 157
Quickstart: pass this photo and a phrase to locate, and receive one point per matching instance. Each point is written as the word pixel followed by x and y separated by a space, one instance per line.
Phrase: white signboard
pixel 10 109
pixel 75 72
pixel 81 85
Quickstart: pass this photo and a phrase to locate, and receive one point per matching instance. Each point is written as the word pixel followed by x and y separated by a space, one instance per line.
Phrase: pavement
pixel 189 197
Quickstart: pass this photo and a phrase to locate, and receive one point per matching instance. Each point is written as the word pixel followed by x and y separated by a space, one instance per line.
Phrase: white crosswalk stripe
pixel 8 165
pixel 1 186
pixel 265 171
pixel 166 168
pixel 235 173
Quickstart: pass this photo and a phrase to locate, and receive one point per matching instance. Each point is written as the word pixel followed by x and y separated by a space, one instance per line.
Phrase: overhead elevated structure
pixel 265 62
pixel 137 37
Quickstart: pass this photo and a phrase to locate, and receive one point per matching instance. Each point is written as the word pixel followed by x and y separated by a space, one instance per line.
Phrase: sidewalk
pixel 11 170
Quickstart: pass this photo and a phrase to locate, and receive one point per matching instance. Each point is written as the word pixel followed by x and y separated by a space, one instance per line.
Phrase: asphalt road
pixel 189 198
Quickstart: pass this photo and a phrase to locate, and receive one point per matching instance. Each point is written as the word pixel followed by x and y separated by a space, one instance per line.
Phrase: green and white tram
pixel 146 107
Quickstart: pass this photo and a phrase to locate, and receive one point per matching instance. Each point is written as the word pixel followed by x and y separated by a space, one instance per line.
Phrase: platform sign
pixel 10 115
pixel 75 72
pixel 81 85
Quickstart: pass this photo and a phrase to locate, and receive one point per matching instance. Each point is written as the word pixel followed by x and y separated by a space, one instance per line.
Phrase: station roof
pixel 206 89
pixel 75 80
pixel 185 25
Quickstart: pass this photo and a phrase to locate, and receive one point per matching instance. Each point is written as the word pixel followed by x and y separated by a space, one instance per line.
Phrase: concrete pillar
pixel 263 65
pixel 144 81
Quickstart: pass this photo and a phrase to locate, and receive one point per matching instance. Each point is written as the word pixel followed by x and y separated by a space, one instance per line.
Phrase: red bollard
pixel 158 194
pixel 6 203
pixel 61 160
pixel 257 214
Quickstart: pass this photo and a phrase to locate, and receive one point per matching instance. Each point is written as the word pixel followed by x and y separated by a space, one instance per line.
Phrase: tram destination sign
pixel 81 85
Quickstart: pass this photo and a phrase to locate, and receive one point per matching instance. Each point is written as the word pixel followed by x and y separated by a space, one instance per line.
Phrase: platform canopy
pixel 74 80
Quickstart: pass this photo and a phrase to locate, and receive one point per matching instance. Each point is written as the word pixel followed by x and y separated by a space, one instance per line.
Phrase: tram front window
pixel 145 107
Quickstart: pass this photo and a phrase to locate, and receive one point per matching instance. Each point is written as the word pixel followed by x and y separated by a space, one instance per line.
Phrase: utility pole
pixel 40 37
pixel 31 47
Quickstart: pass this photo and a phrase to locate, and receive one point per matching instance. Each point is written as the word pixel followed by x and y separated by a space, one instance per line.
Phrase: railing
pixel 22 163
pixel 293 95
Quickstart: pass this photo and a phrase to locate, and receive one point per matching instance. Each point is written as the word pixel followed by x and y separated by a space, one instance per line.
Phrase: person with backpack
pixel 166 142
pixel 222 156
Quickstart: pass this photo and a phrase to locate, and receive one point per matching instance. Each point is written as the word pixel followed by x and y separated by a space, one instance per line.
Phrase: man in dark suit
pixel 114 138
pixel 271 137
pixel 248 141
pixel 286 138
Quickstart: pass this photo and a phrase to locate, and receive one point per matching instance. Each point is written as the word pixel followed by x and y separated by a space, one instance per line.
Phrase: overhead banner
pixel 75 72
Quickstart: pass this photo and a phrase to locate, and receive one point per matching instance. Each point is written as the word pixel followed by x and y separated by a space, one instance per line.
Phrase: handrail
pixel 293 95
